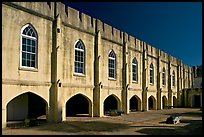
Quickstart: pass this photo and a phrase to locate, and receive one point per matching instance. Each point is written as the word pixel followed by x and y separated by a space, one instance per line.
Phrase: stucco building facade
pixel 57 61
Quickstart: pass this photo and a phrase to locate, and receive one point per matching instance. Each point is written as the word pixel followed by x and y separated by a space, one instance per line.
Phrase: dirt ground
pixel 136 123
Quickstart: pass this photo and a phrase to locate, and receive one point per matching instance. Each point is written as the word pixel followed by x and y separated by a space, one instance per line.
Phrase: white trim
pixel 36 48
pixel 81 50
pixel 114 59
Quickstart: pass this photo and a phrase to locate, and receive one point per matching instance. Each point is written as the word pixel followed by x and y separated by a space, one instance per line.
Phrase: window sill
pixel 151 84
pixel 113 79
pixel 79 74
pixel 136 82
pixel 28 69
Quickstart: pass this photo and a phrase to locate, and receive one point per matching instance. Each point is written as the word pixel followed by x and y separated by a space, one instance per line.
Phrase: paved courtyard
pixel 136 123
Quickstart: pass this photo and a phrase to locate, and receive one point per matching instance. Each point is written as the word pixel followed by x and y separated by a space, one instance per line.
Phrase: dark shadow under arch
pixel 135 104
pixel 110 103
pixel 164 102
pixel 174 102
pixel 152 103
pixel 26 105
pixel 77 105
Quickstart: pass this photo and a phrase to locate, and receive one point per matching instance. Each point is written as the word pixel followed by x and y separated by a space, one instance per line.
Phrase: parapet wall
pixel 73 18
pixel 43 8
pixel 76 19
pixel 110 32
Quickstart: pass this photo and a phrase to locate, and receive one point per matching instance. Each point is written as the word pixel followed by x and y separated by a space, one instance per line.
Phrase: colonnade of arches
pixel 30 105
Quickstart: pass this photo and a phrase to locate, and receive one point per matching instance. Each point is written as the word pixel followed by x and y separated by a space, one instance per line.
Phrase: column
pixel 125 102
pixel 159 106
pixel 98 58
pixel 144 83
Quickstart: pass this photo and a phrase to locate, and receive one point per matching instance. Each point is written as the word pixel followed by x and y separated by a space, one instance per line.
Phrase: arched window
pixel 134 70
pixel 79 53
pixel 173 79
pixel 151 74
pixel 163 77
pixel 29 44
pixel 111 64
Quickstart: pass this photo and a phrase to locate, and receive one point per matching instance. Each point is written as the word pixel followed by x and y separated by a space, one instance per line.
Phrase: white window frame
pixel 163 77
pixel 135 63
pixel 114 68
pixel 151 76
pixel 81 50
pixel 36 47
pixel 173 79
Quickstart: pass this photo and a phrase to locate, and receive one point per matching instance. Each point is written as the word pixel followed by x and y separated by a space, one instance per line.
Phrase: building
pixel 194 95
pixel 57 62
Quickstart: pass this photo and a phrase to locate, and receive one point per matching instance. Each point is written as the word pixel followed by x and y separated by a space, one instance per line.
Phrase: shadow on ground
pixel 80 126
pixel 193 127
pixel 197 113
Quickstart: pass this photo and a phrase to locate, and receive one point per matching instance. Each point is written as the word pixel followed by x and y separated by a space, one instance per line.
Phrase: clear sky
pixel 173 27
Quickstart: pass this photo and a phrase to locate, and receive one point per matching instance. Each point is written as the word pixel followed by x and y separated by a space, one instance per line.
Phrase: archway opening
pixel 152 103
pixel 78 105
pixel 26 106
pixel 164 102
pixel 174 102
pixel 196 101
pixel 135 104
pixel 110 103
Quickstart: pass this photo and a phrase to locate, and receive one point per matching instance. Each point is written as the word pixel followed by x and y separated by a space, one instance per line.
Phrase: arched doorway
pixel 110 103
pixel 27 105
pixel 164 102
pixel 174 101
pixel 78 105
pixel 196 101
pixel 152 103
pixel 135 104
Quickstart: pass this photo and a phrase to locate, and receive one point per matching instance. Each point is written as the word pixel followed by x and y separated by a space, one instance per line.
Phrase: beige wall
pixel 17 80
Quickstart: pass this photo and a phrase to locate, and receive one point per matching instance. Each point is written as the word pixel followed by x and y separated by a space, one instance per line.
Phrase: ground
pixel 136 123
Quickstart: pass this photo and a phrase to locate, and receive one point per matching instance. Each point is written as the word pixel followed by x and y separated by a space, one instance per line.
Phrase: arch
pixel 29 47
pixel 135 103
pixel 79 57
pixel 174 101
pixel 196 101
pixel 26 105
pixel 164 102
pixel 151 75
pixel 112 65
pixel 134 70
pixel 29 29
pixel 152 103
pixel 111 102
pixel 78 105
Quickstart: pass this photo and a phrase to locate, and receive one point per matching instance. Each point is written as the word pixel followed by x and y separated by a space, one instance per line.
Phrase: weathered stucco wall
pixel 99 39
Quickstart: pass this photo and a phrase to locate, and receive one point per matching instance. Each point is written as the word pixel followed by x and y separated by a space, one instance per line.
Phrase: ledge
pixel 28 69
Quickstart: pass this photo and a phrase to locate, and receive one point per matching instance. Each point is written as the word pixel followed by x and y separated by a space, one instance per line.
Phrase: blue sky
pixel 173 27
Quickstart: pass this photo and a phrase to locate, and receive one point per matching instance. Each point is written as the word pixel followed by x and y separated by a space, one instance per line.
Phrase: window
pixel 173 79
pixel 163 77
pixel 134 70
pixel 79 57
pixel 151 74
pixel 111 64
pixel 28 57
